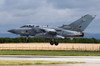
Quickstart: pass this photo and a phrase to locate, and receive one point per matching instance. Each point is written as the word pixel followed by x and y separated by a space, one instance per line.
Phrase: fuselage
pixel 37 32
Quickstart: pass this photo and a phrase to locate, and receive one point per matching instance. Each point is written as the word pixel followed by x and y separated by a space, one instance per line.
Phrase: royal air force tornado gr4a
pixel 74 29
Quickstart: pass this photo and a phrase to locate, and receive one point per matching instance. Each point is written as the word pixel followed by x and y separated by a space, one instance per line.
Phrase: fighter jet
pixel 72 30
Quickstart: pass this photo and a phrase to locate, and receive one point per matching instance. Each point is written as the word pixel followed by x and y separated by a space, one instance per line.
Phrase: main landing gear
pixel 54 42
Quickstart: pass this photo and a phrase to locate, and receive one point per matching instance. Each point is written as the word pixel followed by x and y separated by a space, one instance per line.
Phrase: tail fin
pixel 82 23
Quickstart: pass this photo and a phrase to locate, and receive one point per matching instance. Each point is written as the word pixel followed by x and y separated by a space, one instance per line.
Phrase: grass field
pixel 28 62
pixel 53 53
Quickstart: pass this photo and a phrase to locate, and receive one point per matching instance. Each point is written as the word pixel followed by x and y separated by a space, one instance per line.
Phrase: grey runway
pixel 90 60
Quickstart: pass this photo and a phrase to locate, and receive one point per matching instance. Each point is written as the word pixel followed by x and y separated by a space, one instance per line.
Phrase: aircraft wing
pixel 49 31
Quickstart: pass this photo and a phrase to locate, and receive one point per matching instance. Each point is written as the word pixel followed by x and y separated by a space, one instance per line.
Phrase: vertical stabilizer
pixel 82 23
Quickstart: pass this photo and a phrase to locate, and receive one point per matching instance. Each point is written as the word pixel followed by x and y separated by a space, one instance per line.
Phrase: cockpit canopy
pixel 27 26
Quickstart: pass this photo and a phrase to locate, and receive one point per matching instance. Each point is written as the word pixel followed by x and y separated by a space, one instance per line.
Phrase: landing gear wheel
pixel 52 42
pixel 56 43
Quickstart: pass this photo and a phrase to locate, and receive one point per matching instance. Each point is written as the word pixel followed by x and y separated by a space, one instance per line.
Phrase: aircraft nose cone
pixel 12 31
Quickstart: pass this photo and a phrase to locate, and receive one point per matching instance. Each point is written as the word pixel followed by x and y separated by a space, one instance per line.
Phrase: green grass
pixel 54 53
pixel 29 62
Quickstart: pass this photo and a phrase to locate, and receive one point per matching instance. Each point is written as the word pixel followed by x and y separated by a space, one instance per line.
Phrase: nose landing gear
pixel 27 39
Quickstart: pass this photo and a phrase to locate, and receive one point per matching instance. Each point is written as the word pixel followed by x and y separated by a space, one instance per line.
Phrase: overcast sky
pixel 15 13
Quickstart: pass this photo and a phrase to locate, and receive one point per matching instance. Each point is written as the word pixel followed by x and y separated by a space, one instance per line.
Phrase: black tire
pixel 56 43
pixel 52 42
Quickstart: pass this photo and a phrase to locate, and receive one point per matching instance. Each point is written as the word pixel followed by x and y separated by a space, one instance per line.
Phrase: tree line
pixel 39 40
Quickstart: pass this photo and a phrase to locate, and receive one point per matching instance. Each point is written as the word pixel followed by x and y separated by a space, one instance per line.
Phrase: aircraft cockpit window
pixel 27 26
pixel 37 26
pixel 30 26
pixel 23 26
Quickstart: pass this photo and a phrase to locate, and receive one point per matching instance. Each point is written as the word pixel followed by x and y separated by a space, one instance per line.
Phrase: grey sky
pixel 15 13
